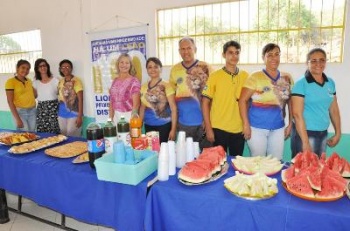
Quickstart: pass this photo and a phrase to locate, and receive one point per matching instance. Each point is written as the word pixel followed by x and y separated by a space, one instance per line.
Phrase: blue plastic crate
pixel 108 170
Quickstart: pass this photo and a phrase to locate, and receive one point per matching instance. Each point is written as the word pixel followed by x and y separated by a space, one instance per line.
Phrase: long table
pixel 174 206
pixel 73 189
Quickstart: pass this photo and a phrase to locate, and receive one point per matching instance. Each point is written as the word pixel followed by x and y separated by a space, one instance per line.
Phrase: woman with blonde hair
pixel 125 90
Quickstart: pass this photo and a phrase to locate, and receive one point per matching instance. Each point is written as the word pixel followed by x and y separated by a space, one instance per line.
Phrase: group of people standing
pixel 224 107
pixel 60 101
pixel 229 106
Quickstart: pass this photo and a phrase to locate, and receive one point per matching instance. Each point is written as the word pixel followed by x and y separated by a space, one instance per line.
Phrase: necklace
pixel 233 74
pixel 149 84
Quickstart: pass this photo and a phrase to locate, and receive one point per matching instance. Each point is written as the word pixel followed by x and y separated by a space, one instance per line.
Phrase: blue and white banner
pixel 105 49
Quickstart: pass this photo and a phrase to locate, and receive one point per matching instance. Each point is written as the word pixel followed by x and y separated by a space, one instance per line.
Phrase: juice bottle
pixel 135 128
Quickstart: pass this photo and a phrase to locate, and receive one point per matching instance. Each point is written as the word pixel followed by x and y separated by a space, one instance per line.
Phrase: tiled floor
pixel 22 223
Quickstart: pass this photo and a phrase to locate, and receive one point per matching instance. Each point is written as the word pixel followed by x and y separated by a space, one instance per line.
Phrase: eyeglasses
pixel 42 65
pixel 316 61
pixel 273 55
pixel 65 67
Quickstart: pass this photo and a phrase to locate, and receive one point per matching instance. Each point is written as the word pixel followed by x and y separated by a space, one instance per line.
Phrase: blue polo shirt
pixel 317 100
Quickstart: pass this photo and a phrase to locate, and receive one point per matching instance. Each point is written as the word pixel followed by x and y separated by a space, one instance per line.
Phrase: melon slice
pixel 315 180
pixel 346 170
pixel 288 173
pixel 300 185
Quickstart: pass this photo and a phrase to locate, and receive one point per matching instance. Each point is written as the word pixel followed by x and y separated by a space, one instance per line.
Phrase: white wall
pixel 64 25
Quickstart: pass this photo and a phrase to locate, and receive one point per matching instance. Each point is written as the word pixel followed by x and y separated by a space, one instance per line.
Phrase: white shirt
pixel 46 91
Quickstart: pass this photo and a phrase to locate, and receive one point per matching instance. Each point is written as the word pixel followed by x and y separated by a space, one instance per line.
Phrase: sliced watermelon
pixel 287 173
pixel 346 169
pixel 194 174
pixel 300 185
pixel 315 180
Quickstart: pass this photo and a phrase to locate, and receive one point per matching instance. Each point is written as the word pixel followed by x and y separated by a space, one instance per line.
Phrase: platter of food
pixel 68 150
pixel 267 165
pixel 252 187
pixel 37 144
pixel 316 179
pixel 83 158
pixel 208 167
pixel 302 195
pixel 10 138
pixel 215 177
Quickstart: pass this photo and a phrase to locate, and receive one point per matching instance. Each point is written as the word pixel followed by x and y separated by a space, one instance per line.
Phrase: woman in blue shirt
pixel 314 107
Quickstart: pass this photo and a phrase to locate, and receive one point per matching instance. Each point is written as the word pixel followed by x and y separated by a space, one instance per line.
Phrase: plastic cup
pixel 119 151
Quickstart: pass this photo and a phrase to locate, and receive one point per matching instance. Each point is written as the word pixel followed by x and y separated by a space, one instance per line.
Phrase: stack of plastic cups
pixel 196 149
pixel 172 158
pixel 189 149
pixel 163 162
pixel 181 149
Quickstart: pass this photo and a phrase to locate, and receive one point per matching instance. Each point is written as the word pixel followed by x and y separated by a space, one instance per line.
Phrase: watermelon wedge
pixel 288 173
pixel 300 185
pixel 346 169
pixel 314 179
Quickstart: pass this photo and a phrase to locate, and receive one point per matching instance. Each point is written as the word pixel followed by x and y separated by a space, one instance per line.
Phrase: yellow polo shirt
pixel 23 93
pixel 224 91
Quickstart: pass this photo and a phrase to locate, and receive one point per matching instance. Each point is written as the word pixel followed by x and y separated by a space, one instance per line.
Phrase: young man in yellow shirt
pixel 223 123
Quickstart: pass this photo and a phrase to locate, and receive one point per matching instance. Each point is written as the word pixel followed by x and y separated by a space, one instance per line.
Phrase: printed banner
pixel 105 50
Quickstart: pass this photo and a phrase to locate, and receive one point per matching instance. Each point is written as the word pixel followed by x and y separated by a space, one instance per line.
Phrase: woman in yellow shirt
pixel 21 97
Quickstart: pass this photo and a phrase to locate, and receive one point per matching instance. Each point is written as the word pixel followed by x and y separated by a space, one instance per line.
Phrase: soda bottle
pixel 123 131
pixel 135 128
pixel 110 135
pixel 96 144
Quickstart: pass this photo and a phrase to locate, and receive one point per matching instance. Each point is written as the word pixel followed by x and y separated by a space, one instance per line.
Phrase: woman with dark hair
pixel 70 97
pixel 262 106
pixel 45 86
pixel 21 97
pixel 314 107
pixel 158 108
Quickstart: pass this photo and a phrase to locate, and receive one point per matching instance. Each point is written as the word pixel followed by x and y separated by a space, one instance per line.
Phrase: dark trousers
pixel 234 142
pixel 197 133
pixel 163 130
pixel 4 214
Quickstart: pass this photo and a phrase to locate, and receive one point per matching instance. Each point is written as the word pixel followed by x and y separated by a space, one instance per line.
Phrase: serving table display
pixel 73 190
pixel 172 205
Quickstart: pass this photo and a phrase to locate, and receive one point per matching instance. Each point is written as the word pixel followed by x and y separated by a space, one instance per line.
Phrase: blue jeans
pixel 28 117
pixel 317 140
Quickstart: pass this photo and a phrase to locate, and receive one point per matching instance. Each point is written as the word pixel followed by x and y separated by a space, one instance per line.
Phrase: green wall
pixel 342 148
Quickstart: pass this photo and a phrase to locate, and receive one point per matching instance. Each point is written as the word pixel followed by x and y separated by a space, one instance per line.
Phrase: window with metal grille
pixel 295 25
pixel 16 46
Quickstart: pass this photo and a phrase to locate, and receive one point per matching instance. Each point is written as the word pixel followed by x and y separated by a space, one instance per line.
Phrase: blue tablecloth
pixel 73 189
pixel 174 206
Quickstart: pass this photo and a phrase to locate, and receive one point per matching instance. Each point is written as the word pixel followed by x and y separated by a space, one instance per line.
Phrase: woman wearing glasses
pixel 314 107
pixel 70 96
pixel 45 86
pixel 262 106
